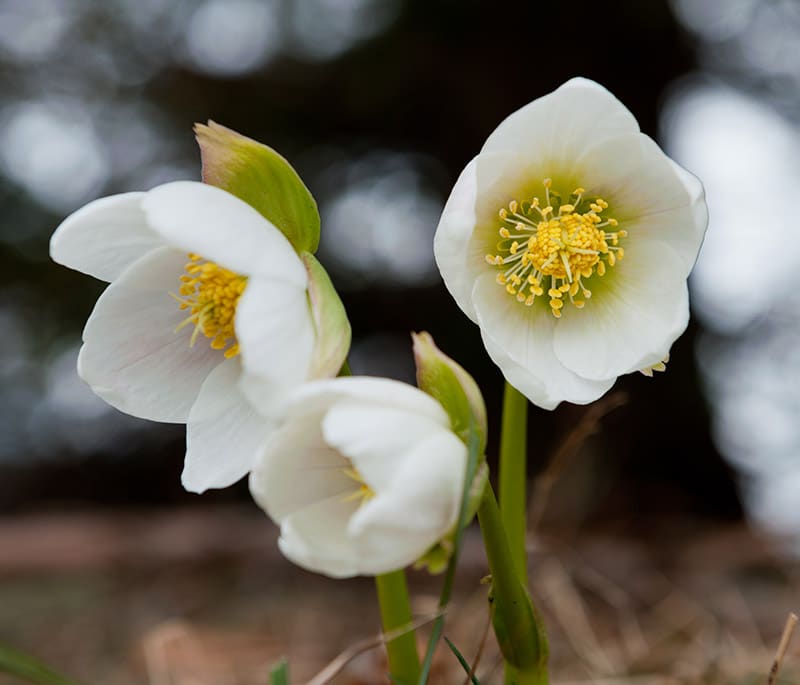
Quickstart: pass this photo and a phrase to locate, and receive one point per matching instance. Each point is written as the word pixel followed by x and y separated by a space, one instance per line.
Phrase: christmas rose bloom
pixel 568 240
pixel 208 304
pixel 364 476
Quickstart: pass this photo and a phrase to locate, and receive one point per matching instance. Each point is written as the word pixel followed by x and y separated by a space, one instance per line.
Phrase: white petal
pixel 468 227
pixel 132 357
pixel 319 396
pixel 557 385
pixel 397 527
pixel 276 338
pixel 224 433
pixel 632 322
pixel 452 240
pixel 104 237
pixel 297 469
pixel 519 340
pixel 316 538
pixel 220 227
pixel 651 196
pixel 376 438
pixel 559 126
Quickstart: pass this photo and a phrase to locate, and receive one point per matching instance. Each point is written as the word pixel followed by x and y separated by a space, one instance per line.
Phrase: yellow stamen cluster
pixel 211 294
pixel 560 242
pixel 363 492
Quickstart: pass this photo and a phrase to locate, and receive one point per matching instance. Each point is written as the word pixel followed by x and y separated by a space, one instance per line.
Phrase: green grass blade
pixel 279 673
pixel 467 668
pixel 447 586
pixel 25 667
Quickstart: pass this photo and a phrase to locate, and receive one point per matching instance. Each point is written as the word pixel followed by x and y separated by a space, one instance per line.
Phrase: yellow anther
pixel 514 247
pixel 211 294
pixel 622 233
pixel 513 206
pixel 555 293
pixel 620 253
pixel 501 279
pixel 529 300
pixel 503 213
pixel 511 290
pixel 579 191
pixel 601 268
pixel 556 304
pixel 505 233
pixel 547 183
pixel 546 210
pixel 613 222
pixel 490 259
pixel 579 303
pixel 567 209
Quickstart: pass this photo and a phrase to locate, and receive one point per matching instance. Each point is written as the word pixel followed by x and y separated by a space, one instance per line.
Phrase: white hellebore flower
pixel 364 476
pixel 532 239
pixel 208 301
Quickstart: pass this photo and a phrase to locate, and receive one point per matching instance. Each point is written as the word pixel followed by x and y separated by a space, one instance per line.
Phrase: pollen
pixel 210 294
pixel 554 247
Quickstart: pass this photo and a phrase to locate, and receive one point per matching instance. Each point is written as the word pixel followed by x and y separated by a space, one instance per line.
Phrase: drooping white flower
pixel 208 303
pixel 568 240
pixel 363 476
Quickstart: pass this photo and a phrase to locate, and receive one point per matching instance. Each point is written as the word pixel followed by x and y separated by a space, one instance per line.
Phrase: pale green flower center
pixel 211 294
pixel 555 245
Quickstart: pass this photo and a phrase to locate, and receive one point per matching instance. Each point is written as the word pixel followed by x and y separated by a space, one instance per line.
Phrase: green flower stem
pixel 519 631
pixel 513 475
pixel 396 616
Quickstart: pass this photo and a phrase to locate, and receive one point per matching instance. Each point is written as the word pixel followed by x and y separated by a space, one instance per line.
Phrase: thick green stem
pixel 519 631
pixel 512 475
pixel 396 617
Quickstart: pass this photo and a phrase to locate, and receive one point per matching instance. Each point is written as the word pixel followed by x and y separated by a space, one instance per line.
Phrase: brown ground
pixel 202 597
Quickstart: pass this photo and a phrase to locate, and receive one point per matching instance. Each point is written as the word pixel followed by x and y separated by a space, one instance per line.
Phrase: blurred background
pixel 379 104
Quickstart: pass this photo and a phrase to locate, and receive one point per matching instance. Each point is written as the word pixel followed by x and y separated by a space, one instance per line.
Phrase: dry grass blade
pixel 788 629
pixel 587 426
pixel 481 646
pixel 335 667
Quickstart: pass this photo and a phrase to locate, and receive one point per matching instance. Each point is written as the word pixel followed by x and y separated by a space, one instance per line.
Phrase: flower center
pixel 363 492
pixel 211 294
pixel 564 242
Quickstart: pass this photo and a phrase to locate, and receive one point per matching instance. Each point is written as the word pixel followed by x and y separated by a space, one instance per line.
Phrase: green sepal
pixel 333 333
pixel 257 174
pixel 453 387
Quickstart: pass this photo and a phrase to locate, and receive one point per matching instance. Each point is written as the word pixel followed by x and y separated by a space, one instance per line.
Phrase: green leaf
pixel 16 663
pixel 332 328
pixel 452 386
pixel 257 174
pixel 279 673
pixel 464 664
